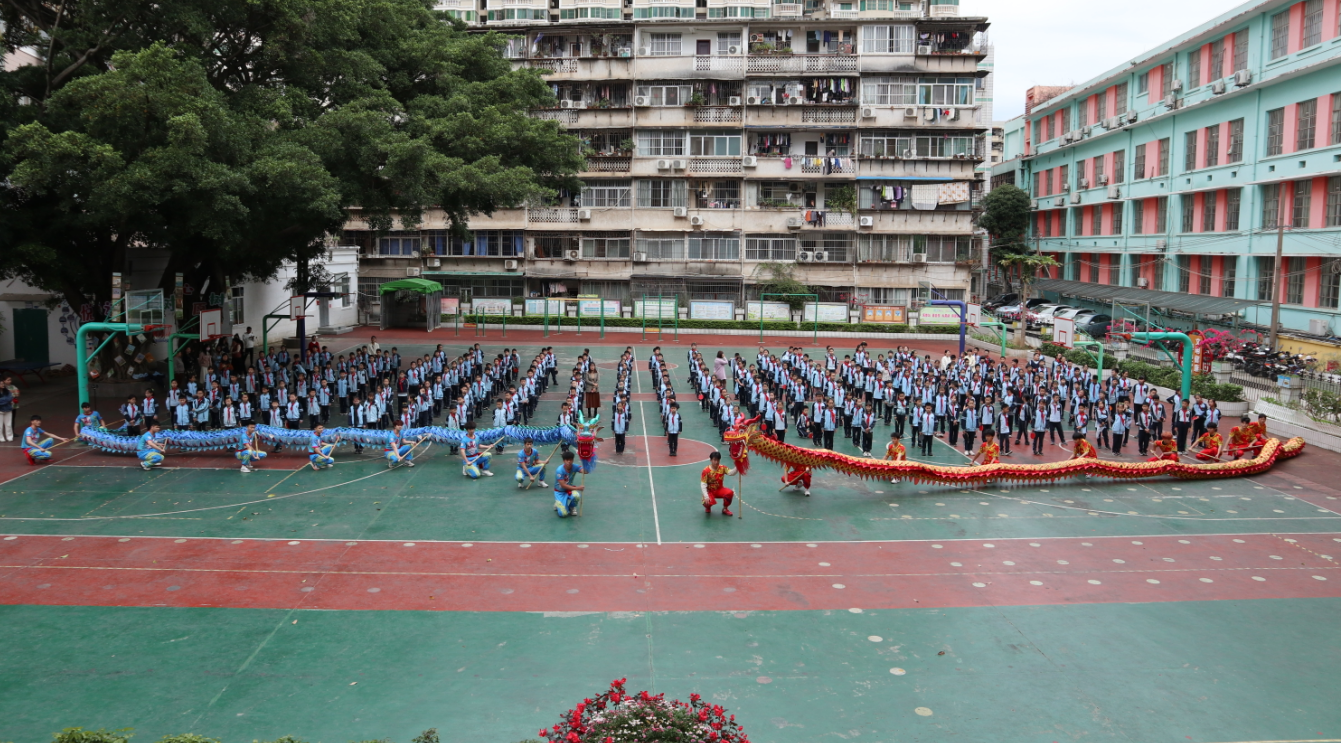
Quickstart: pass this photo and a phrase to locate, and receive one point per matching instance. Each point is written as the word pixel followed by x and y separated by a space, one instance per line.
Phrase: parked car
pixel 1042 316
pixel 1000 300
pixel 1012 311
pixel 1097 326
pixel 1071 313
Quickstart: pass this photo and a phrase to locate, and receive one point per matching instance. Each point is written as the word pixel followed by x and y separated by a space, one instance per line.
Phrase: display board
pixel 938 315
pixel 771 311
pixel 654 308
pixel 712 310
pixel 491 306
pixel 828 312
pixel 591 308
pixel 450 305
pixel 536 307
pixel 884 313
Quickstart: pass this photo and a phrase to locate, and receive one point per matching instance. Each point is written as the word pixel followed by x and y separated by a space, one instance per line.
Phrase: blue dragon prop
pixel 227 439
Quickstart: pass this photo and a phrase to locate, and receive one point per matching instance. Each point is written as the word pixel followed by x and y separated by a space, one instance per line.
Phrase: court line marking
pixel 642 419
pixel 1156 516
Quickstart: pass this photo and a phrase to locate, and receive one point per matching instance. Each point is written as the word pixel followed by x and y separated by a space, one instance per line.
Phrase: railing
pixel 561 116
pixel 557 65
pixel 767 63
pixel 827 165
pixel 717 64
pixel 716 114
pixel 1243 379
pixel 609 164
pixel 788 10
pixel 944 11
pixel 715 165
pixel 838 13
pixel 831 219
pixel 828 115
pixel 551 215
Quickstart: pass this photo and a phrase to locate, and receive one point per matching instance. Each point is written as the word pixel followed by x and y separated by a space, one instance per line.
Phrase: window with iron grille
pixel 1038 180
pixel 1228 282
pixel 1208 205
pixel 1101 107
pixel 1270 204
pixel 1138 217
pixel 1233 203
pixel 1275 123
pixel 1187 201
pixel 605 247
pixel 1097 219
pixel 661 248
pixel 883 248
pixel 1212 146
pixel 662 194
pixel 715 247
pixel 1166 80
pixel 1240 50
pixel 1312 31
pixel 1334 201
pixel 1217 59
pixel 1047 129
pixel 664 45
pixel 1331 283
pixel 1280 34
pixel 1077 221
pixel 607 193
pixel 1185 273
pixel 660 143
pixel 1308 125
pixel 665 94
pixel 1083 114
pixel 1098 171
pixel 1266 278
pixel 1194 68
pixel 1294 281
pixel 397 245
pixel 1204 276
pixel 1190 150
pixel 1065 176
pixel 1094 268
pixel 1119 99
pixel 1165 150
pixel 553 245
pixel 1303 199
pixel 1116 225
pixel 1119 166
pixel 1138 165
pixel 1143 83
pixel 1158 280
pixel 1161 214
pixel 770 248
pixel 499 243
pixel 1235 151
pixel 835 244
pixel 889 91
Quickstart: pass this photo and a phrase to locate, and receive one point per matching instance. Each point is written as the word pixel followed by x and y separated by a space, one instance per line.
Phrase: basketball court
pixel 363 603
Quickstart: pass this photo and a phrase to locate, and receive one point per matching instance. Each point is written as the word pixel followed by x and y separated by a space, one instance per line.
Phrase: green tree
pixel 1006 217
pixel 780 278
pixel 1028 266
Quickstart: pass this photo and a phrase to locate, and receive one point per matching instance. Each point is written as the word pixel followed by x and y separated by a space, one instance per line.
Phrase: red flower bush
pixel 617 716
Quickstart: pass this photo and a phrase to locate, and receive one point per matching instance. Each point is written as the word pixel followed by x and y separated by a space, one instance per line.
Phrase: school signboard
pixel 655 308
pixel 491 306
pixel 708 310
pixel 591 308
pixel 536 307
pixel 884 313
pixel 938 315
pixel 828 312
pixel 769 311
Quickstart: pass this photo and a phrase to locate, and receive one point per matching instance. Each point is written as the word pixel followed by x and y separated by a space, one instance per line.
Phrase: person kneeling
pixel 529 467
pixel 398 449
pixel 710 484
pixel 249 448
pixel 319 452
pixel 1210 443
pixel 797 476
pixel 567 496
pixel 476 462
pixel 151 450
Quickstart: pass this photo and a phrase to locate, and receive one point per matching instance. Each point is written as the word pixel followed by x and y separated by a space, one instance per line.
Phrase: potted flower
pixel 696 100
pixel 618 716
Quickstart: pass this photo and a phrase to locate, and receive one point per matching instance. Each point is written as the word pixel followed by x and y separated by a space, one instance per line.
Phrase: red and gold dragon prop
pixel 745 436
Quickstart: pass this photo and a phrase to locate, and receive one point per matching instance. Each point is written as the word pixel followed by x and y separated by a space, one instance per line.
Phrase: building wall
pixel 1198 246
pixel 61 324
pixel 621 78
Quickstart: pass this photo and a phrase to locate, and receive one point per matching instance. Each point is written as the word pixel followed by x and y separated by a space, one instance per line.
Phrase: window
pixel 664 45
pixel 943 248
pixel 889 91
pixel 499 243
pixel 883 248
pixel 1185 274
pixel 1208 213
pixel 1064 174
pixel 1331 283
pixel 664 11
pixel 1336 118
pixel 1116 228
pixel 1038 180
pixel 1158 281
pixel 1240 51
pixel 1334 201
pixel 1097 219
pixel 946 91
pixel 607 193
pixel 1164 150
pixel 1161 214
pixel 1190 150
pixel 1212 146
pixel 1275 132
pixel 717 195
pixel 1266 278
pixel 1119 166
pixel 1083 114
pixel 660 143
pixel 887 39
pixel 1143 83
pixel 397 245
pixel 346 297
pixel 1204 276
pixel 554 245
pixel 714 247
pixel 605 247
pixel 1280 34
pixel 1303 198
pixel 1235 153
pixel 714 144
pixel 1047 129
pixel 1119 99
pixel 1101 106
pixel 1094 268
pixel 1217 59
pixel 240 300
pixel 1138 217
pixel 1230 276
pixel 837 245
pixel 1233 202
pixel 665 95
pixel 1294 281
pixel 662 194
pixel 1308 125
pixel 1270 204
pixel 1138 165
pixel 1077 221
pixel 770 248
pixel 1098 171
pixel 1312 31
pixel 1188 201
pixel 726 40
pixel 1194 68
pixel 1065 114
pixel 1166 80
pixel 662 248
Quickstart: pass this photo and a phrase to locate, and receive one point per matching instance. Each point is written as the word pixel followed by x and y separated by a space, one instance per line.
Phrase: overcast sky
pixel 1064 42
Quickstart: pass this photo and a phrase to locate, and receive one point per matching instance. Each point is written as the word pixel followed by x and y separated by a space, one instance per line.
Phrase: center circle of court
pixel 639 449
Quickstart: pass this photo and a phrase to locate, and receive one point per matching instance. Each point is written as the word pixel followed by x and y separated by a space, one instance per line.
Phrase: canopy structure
pixel 422 286
pixel 411 303
pixel 1192 304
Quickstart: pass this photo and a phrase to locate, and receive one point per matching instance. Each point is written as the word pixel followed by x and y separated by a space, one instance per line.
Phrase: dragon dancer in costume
pixel 895 452
pixel 1241 439
pixel 567 495
pixel 587 440
pixel 989 452
pixel 320 453
pixel 710 484
pixel 797 476
pixel 1164 448
pixel 1210 443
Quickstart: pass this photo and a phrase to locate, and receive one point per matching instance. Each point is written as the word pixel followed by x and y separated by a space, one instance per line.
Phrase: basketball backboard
pixel 1063 332
pixel 211 324
pixel 974 315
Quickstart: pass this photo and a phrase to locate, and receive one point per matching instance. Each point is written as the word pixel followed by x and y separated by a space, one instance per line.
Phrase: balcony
pixel 707 165
pixel 652 116
pixel 784 64
pixel 788 10
pixel 690 66
pixel 961 65
pixel 918 222
pixel 837 166
pixel 802 115
pixel 896 168
pixel 582 68
pixel 944 11
pixel 901 117
pixel 603 164
pixel 566 218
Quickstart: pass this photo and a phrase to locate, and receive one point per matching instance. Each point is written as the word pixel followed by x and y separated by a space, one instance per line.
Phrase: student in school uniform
pixel 620 426
pixel 201 411
pixel 673 427
pixel 927 427
pixel 248 448
pixel 134 416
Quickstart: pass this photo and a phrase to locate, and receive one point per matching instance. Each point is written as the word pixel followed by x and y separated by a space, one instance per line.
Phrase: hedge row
pixel 1163 376
pixel 774 326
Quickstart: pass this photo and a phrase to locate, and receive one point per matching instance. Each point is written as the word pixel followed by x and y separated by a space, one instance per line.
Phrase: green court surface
pixel 1179 669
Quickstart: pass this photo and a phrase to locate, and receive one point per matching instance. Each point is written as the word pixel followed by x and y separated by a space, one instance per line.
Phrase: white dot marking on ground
pixel 1120 562
pixel 753 546
pixel 572 590
pixel 812 545
pixel 1260 580
pixel 698 546
pixel 306 589
pixel 10 539
pixel 408 544
pixel 824 564
pixel 294 543
pixel 989 546
pixel 1277 510
pixel 179 541
pixel 1152 581
pixel 839 585
pixel 1035 582
pixel 1086 544
pixel 1008 562
pixel 855 611
pixel 468 544
pixel 897 671
pixel 68 539
pixel 523 545
pixel 351 544
pixel 1217 559
pixel 876 638
pixel 1205 580
pixel 979 585
pixel 937 546
pixel 236 541
pixel 1093 582
pixel 1183 541
pixel 124 539
pixel 1168 559
pixel 956 564
pixel 1035 544
pixel 1318 577
pixel 923 711
pixel 1063 562
pixel 374 590
pixel 1276 557
pixel 584 546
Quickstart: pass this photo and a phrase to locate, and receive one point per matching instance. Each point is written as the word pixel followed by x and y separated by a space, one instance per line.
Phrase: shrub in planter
pixel 618 716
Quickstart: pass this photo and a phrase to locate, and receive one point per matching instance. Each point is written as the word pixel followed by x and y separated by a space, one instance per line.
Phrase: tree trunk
pixel 1020 328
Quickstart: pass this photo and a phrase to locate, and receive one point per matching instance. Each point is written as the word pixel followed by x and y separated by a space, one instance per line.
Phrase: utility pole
pixel 1275 272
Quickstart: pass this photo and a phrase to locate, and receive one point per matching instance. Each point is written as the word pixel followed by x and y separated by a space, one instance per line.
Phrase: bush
pixel 1202 384
pixel 1322 405
pixel 769 326
pixel 618 716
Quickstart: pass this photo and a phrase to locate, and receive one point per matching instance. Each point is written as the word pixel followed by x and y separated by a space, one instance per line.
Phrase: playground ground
pixel 363 603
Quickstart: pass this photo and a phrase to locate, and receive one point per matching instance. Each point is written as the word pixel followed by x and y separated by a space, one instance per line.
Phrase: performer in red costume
pixel 1210 444
pixel 797 476
pixel 1082 447
pixel 989 452
pixel 1164 448
pixel 1242 439
pixel 711 485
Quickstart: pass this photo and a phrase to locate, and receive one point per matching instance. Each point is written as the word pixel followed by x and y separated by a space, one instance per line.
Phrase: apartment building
pixel 1180 169
pixel 722 135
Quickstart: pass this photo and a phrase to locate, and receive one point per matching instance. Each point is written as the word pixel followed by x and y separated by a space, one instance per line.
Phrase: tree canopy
pixel 236 135
pixel 1006 215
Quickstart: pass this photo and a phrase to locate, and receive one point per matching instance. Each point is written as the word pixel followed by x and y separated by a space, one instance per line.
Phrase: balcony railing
pixel 715 165
pixel 609 164
pixel 828 115
pixel 717 64
pixel 559 115
pixel 788 10
pixel 551 215
pixel 828 165
pixel 763 64
pixel 716 115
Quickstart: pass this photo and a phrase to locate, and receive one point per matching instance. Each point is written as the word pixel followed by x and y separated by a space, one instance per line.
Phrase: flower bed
pixel 618 716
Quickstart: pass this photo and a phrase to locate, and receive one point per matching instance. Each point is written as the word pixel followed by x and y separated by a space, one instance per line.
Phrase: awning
pixel 1197 304
pixel 423 286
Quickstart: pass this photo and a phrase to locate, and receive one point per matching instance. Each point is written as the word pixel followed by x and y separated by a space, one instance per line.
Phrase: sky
pixel 1065 42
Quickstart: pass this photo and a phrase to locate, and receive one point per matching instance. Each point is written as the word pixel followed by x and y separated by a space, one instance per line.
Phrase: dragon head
pixel 738 441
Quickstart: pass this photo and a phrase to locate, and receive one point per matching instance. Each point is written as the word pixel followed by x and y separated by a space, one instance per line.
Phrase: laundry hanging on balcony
pixel 925 196
pixel 814 217
pixel 952 193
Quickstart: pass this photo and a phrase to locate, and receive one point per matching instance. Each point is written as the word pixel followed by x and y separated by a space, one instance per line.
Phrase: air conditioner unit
pixel 1176 86
pixel 795 187
pixel 752 101
pixel 733 100
pixel 907 153
pixel 434 262
pixel 1103 180
pixel 1318 327
pixel 1033 204
pixel 412 271
pixel 663 164
pixel 584 215
pixel 697 221
pixel 804 257
pixel 868 113
pixel 796 101
pixel 1060 201
pixel 570 255
pixel 565 104
pixel 733 50
pixel 511 265
pixel 1075 198
pixel 1066 187
pixel 639 257
pixel 756 37
pixel 1218 87
pixel 1132 117
pixel 910 113
pixel 1113 123
pixel 924 49
pixel 866 221
pixel 749 161
pixel 640 100
pixel 642 51
pixel 1243 77
pixel 679 164
pixel 1068 138
pixel 1114 192
pixel 793 223
pixel 954 115
pixel 929 114
pixel 1161 245
pixel 919 257
pixel 1084 183
pixel 820 257
pixel 1171 102
pixel 1086 131
pixel 681 212
pixel 1142 282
